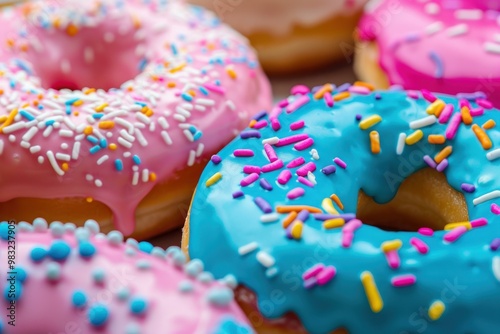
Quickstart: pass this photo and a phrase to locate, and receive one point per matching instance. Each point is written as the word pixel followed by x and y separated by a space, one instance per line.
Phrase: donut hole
pixel 425 199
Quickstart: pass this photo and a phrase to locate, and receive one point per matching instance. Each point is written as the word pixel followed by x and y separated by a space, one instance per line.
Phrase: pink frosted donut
pixel 77 280
pixel 443 46
pixel 156 87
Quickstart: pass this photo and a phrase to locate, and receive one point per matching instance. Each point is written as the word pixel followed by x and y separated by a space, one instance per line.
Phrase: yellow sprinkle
pixel 178 68
pixel 72 29
pixel 9 120
pixel 76 113
pixel 436 310
pixel 101 107
pixel 89 91
pixel 213 179
pixel 341 96
pixel 436 139
pixel 365 84
pixel 327 205
pixel 106 125
pixel 152 177
pixel 337 201
pixel 375 142
pixel 65 166
pixel 3 118
pixel 369 122
pixel 482 137
pixel 392 245
pixel 333 223
pixel 436 107
pixel 445 153
pixel 451 226
pixel 328 88
pixel 89 199
pixel 296 208
pixel 231 72
pixel 88 130
pixel 489 124
pixel 371 291
pixel 289 219
pixel 113 146
pixel 147 111
pixel 466 117
pixel 296 230
pixel 414 137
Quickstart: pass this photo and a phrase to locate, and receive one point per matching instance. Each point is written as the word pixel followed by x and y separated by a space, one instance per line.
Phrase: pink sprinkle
pixel 272 166
pixel 283 103
pixel 305 181
pixel 484 103
pixel 326 275
pixel 297 125
pixel 403 280
pixel 271 154
pixel 427 231
pixel 304 144
pixel 243 153
pixel 309 167
pixel 446 113
pixel 313 271
pixel 347 238
pixel 479 222
pixel 299 90
pixel 297 103
pixel 328 100
pixel 248 180
pixel 291 140
pixel 477 112
pixel 340 163
pixel 295 162
pixel 295 193
pixel 393 259
pixel 359 90
pixel 352 226
pixel 284 177
pixel 413 94
pixel 248 169
pixel 260 124
pixel 452 128
pixel 275 124
pixel 428 95
pixel 464 103
pixel 495 209
pixel 214 88
pixel 454 234
pixel 421 246
pixel 275 112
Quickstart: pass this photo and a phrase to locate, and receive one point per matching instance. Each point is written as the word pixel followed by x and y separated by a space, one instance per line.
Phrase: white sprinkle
pixel 495 264
pixel 140 137
pixel 135 178
pixel 35 149
pixel 30 133
pixel 53 163
pixel 469 14
pixel 1 146
pixel 127 136
pixel 66 66
pixel 311 177
pixel 199 150
pixel 457 30
pixel 271 272
pixel 41 160
pixel 152 126
pixel 314 154
pixel 265 259
pixel 192 158
pixel 98 183
pixel 183 112
pixel 420 123
pixel 63 157
pixel 432 8
pixel 128 155
pixel 269 218
pixel 64 146
pixel 65 133
pixel 248 248
pixel 69 123
pixel 145 175
pixel 205 102
pixel 124 143
pixel 14 127
pixel 12 138
pixel 89 177
pixel 76 150
pixel 163 123
pixel 125 124
pixel 492 47
pixel 231 105
pixel 200 108
pixel 142 118
pixel 101 160
pixel 25 144
pixel 486 197
pixel 47 131
pixel 188 135
pixel 179 118
pixel 493 155
pixel 89 55
pixel 271 141
pixel 434 28
pixel 166 137
pixel 401 143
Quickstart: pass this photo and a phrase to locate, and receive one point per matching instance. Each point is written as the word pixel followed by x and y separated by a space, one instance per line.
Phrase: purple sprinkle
pixel 495 244
pixel 265 184
pixel 330 169
pixel 216 159
pixel 238 194
pixel 412 37
pixel 311 282
pixel 325 216
pixel 429 161
pixel 343 88
pixel 259 115
pixel 250 134
pixel 340 163
pixel 378 96
pixel 358 117
pixel 243 153
pixel 442 165
pixel 303 216
pixel 263 205
pixel 471 96
pixel 468 188
pixel 396 88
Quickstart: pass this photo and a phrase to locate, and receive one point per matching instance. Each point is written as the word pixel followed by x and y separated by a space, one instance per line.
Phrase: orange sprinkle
pixel 24 47
pixel 3 118
pixel 130 89
pixel 231 72
pixel 152 177
pixel 171 84
pixel 106 125
pixel 298 208
pixel 56 23
pixel 252 123
pixel 147 111
pixel 40 96
pixel 35 102
pixel 289 219
pixel 482 137
pixel 10 42
pixel 436 139
pixel 192 93
pixel 341 96
pixel 445 153
pixel 89 91
pixel 365 84
pixel 76 113
pixel 466 117
pixel 136 21
pixel 88 130
pixel 65 166
pixel 375 142
pixel 337 201
pixel 72 29
pixel 489 124
pixel 9 119
pixel 113 146
pixel 327 88
pixel 89 199
pixel 1 91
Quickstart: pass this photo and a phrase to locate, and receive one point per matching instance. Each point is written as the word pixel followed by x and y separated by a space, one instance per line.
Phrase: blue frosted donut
pixel 284 208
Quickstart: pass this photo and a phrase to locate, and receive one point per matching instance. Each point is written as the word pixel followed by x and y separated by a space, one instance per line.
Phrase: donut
pixel 64 279
pixel 435 49
pixel 295 35
pixel 110 109
pixel 358 211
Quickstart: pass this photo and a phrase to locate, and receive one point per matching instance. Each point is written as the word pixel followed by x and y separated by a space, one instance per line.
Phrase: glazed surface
pixel 66 279
pixel 447 46
pixel 341 272
pixel 159 86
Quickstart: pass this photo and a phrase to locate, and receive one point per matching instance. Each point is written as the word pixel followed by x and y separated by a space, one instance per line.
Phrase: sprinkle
pixel 445 153
pixel 414 137
pixel 478 222
pixel 53 271
pixel 392 245
pixel 265 184
pixel 493 155
pixel 401 143
pixel 216 159
pixel 296 208
pixel 248 169
pixel 263 205
pixel 495 209
pixel 278 164
pixel 243 153
pixel 446 113
pixel 98 315
pixel 327 205
pixel 295 193
pixel 296 162
pixel 326 275
pixel 59 250
pixel 304 170
pixel 313 271
pixel 496 267
pixel 375 142
pixel 489 124
pixel 454 234
pixel 457 30
pixel 333 223
pixel 371 291
pixel 301 101
pixel 340 163
pixel 369 122
pixel 436 139
pixel 291 140
pixel 421 246
pixel 442 165
pixel 260 124
pixel 493 48
pixel 79 299
pixel 238 194
pixel 468 188
pixel 327 170
pixel 341 96
pixel 213 179
pixel 436 310
pixel 295 230
pixel 495 244
pixel 265 259
pixel 271 154
pixel 289 219
pixel 284 177
pixel 423 122
pixel 438 61
pixel 249 179
pixel 452 128
pixel 484 103
pixel 483 138
pixel 248 248
pixel 275 124
pixel 269 218
pixel 304 144
pixel 486 197
pixel 403 280
pixel 250 134
pixel 327 88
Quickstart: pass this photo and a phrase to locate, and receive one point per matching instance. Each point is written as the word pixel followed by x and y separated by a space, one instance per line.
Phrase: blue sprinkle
pixel 79 299
pixel 92 139
pixel 68 109
pixel 98 275
pixel 37 254
pixel 194 267
pixel 185 286
pixel 12 83
pixel 187 97
pixel 136 160
pixel 118 165
pixel 12 292
pixel 59 250
pixel 220 296
pixel 142 104
pixel 50 122
pixel 21 274
pixel 192 129
pixel 95 149
pixel 217 82
pixel 146 247
pixel 203 90
pixel 138 305
pixel 86 249
pixel 27 115
pixel 40 107
pixel 439 64
pixel 142 64
pixel 71 101
pixel 123 293
pixel 23 66
pixel 4 230
pixel 98 115
pixel 197 135
pixel 174 49
pixel 98 315
pixel 103 143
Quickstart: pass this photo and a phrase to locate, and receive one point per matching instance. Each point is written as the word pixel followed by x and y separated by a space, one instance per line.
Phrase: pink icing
pixel 45 305
pixel 102 44
pixel 446 46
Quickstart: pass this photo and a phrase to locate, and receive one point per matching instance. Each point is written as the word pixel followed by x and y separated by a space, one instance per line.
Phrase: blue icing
pixel 459 274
